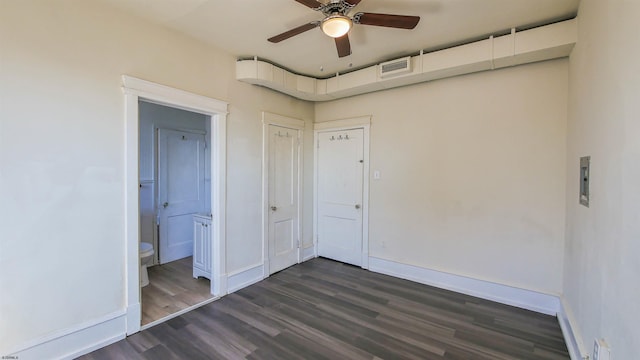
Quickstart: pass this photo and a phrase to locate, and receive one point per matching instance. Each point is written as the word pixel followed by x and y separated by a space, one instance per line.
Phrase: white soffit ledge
pixel 523 47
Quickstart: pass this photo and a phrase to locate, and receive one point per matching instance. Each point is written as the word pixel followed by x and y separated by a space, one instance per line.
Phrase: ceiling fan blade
pixel 352 2
pixel 387 20
pixel 343 45
pixel 293 32
pixel 310 3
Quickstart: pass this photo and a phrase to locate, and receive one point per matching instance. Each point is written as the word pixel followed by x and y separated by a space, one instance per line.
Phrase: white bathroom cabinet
pixel 202 246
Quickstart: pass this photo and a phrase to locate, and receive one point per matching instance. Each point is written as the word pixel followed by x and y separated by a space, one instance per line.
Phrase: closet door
pixel 283 192
pixel 340 189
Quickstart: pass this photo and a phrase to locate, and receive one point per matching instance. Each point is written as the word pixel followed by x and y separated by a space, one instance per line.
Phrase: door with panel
pixel 283 193
pixel 202 246
pixel 180 190
pixel 340 169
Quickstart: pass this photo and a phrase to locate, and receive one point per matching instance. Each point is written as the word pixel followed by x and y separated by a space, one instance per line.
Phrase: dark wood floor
pixel 323 309
pixel 172 288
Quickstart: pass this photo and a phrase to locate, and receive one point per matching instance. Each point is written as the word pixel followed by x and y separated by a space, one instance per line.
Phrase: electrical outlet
pixel 601 350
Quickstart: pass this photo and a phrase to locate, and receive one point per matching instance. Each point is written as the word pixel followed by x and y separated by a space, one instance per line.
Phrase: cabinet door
pixel 199 251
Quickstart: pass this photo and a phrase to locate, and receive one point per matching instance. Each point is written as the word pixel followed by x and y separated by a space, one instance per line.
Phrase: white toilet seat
pixel 146 249
pixel 146 252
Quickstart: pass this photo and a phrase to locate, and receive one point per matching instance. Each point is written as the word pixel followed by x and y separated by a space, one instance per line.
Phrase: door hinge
pixel 205 144
pixel 298 241
pixel 318 146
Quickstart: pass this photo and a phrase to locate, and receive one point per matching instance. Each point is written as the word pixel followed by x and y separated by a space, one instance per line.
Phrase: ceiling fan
pixel 337 23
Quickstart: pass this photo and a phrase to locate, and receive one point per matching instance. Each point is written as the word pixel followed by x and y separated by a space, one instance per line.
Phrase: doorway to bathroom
pixel 206 235
pixel 174 194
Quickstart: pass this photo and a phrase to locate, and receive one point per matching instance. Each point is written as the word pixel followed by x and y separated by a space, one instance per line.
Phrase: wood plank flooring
pixel 172 288
pixel 323 309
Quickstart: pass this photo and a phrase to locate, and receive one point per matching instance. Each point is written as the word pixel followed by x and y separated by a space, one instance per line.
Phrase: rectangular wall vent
pixel 395 67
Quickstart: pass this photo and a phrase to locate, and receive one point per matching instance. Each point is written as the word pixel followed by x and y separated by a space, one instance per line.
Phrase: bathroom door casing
pixel 181 191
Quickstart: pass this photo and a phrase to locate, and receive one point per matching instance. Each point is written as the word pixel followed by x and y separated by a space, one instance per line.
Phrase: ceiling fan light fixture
pixel 336 25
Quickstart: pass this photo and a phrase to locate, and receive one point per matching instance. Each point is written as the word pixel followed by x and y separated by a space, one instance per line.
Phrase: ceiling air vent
pixel 395 67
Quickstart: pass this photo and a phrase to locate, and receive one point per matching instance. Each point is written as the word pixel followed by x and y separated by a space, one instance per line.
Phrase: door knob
pixel 274 208
pixel 165 204
pixel 357 206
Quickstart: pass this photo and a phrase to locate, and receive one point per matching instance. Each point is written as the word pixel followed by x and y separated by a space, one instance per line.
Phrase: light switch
pixel 376 175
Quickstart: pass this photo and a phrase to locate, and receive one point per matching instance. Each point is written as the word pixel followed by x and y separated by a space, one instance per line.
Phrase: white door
pixel 180 190
pixel 340 185
pixel 283 197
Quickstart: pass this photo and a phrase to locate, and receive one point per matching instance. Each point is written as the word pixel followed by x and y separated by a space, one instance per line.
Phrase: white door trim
pixel 134 90
pixel 343 124
pixel 297 124
pixel 364 123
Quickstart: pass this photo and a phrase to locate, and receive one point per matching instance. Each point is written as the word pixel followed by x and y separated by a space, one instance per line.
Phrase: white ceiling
pixel 241 27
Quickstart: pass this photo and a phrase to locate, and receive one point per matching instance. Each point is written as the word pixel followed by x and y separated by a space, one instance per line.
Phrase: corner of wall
pixel 571 332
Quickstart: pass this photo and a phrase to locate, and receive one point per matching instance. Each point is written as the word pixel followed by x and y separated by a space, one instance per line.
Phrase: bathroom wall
pixel 152 117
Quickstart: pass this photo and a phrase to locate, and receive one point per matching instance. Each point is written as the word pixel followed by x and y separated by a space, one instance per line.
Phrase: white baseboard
pixel 308 253
pixel 244 277
pixel 77 340
pixel 134 317
pixel 504 294
pixel 572 336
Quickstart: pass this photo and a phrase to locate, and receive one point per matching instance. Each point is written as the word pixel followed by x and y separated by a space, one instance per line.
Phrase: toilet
pixel 146 254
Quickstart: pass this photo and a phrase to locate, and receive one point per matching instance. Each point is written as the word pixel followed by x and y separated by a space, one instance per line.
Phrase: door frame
pixel 296 124
pixel 134 90
pixel 361 122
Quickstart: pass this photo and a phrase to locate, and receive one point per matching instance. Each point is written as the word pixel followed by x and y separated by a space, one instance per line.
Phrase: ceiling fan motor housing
pixel 340 7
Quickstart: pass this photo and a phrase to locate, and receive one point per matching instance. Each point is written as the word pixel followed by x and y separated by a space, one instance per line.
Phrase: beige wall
pixel 473 168
pixel 602 262
pixel 62 155
pixel 472 173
